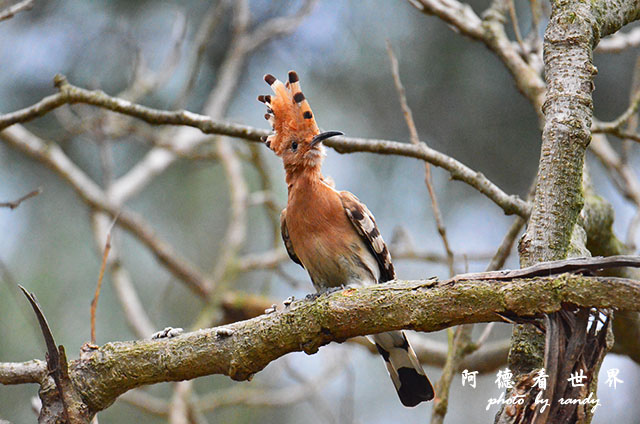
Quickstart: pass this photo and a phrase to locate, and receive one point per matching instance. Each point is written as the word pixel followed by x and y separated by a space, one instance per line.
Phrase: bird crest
pixel 289 114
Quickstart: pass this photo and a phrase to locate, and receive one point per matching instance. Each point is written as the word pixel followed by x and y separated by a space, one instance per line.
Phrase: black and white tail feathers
pixel 405 370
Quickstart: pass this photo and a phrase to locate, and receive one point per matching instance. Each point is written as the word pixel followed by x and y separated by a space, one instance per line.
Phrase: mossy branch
pixel 241 349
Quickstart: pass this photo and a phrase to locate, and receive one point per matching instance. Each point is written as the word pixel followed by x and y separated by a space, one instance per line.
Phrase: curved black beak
pixel 323 136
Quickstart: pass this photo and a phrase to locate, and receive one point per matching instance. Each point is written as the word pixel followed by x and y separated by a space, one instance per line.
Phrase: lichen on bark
pixel 554 231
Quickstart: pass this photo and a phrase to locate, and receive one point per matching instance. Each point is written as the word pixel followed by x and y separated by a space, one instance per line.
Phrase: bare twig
pixel 516 26
pixel 10 11
pixel 145 80
pixel 408 116
pixel 271 397
pixel 622 174
pixel 510 204
pixel 272 207
pixel 484 336
pixel 632 124
pixel 69 94
pixel 217 106
pixel 142 173
pixel 146 402
pixel 573 265
pixel 501 255
pixel 14 204
pixel 279 26
pixel 134 311
pixel 324 411
pixel 632 230
pixel 616 164
pixel 459 342
pixel 427 256
pixel 245 396
pixel 622 134
pixel 461 16
pixel 94 302
pixel 127 296
pixel 619 41
pixel 615 127
pixel 271 259
pixel 487 356
pixel 236 231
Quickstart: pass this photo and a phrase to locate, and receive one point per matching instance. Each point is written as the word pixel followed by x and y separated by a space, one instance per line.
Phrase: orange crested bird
pixel 331 233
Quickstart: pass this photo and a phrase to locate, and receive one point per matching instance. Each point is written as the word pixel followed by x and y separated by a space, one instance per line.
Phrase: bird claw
pixel 167 333
pixel 328 290
pixel 312 296
pixel 223 332
pixel 288 301
pixel 334 289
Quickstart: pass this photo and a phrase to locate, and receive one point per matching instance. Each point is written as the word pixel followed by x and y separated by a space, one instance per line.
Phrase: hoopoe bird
pixel 331 233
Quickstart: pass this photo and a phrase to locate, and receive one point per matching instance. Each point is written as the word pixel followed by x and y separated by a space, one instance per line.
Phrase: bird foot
pixel 167 333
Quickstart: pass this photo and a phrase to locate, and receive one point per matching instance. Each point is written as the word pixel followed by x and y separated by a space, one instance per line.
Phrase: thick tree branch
pixel 574 29
pixel 244 348
pixel 611 15
pixel 598 218
pixel 568 107
pixel 558 199
pixel 34 371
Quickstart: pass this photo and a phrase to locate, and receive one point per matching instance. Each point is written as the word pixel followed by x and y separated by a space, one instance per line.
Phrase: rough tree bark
pixel 574 30
pixel 241 349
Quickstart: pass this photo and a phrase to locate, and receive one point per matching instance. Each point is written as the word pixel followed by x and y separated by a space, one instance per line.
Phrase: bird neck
pixel 298 176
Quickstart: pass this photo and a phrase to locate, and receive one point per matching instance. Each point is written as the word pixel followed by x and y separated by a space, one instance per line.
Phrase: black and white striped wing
pixel 365 225
pixel 285 238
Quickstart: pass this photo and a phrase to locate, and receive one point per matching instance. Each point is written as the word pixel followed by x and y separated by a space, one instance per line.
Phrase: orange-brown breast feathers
pixel 289 113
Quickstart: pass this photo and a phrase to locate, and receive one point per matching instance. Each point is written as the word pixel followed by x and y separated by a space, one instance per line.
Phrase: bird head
pixel 296 137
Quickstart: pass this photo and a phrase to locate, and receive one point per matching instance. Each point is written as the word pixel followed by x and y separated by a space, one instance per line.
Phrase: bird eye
pixel 294 146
